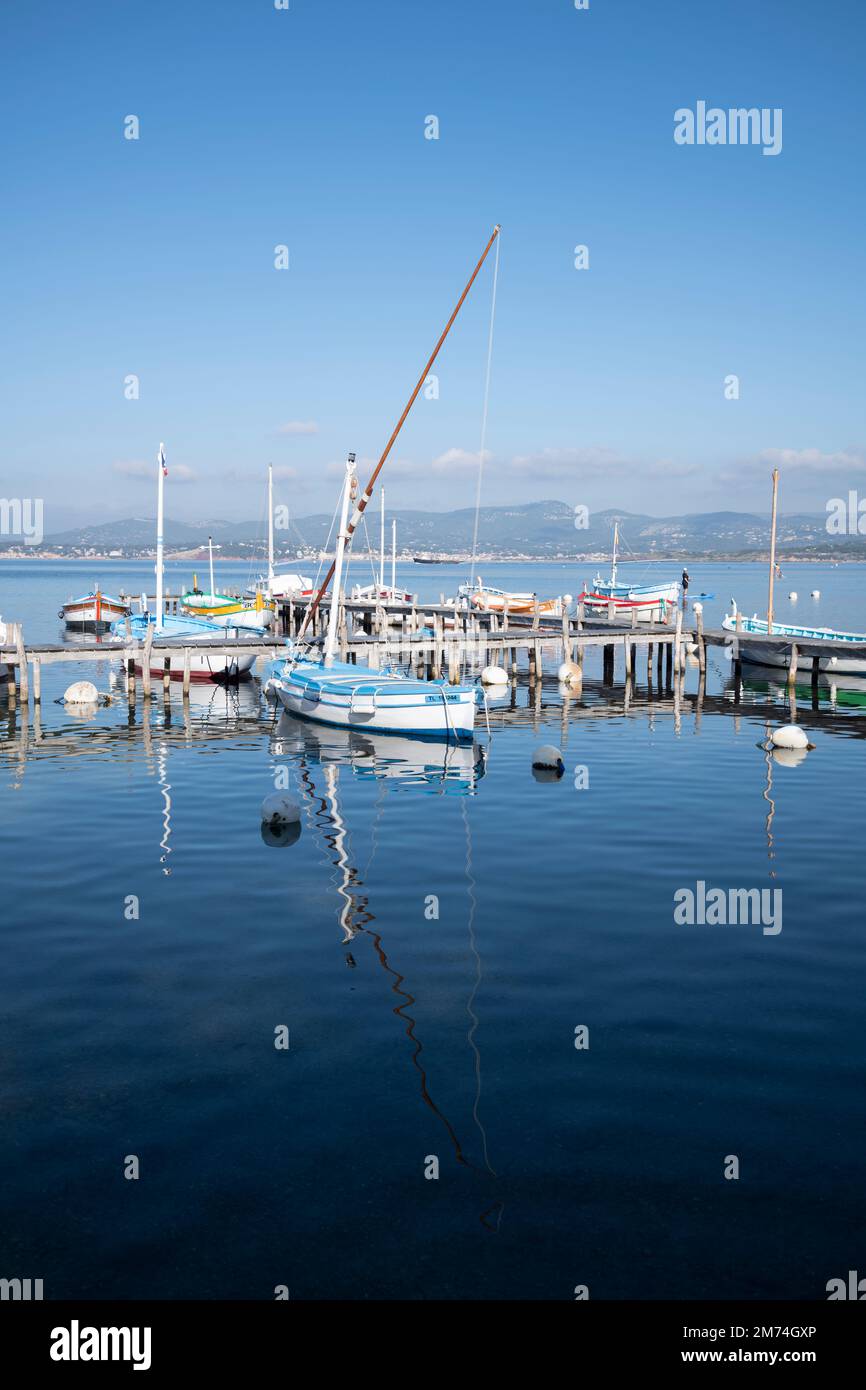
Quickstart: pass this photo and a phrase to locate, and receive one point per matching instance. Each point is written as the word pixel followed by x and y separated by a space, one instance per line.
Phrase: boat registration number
pixel 437 699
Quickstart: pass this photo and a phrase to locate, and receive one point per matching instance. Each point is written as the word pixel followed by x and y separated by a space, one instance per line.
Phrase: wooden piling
pixel 792 665
pixel 702 646
pixel 37 681
pixel 145 663
pixel 186 667
pixel 23 682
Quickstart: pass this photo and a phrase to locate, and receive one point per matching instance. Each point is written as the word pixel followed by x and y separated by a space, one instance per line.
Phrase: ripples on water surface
pixel 413 1035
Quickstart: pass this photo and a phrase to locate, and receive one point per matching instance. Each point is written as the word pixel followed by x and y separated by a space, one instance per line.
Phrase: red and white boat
pixel 93 612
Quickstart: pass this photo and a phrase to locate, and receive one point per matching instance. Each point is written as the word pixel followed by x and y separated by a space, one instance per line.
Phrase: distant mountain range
pixel 541 529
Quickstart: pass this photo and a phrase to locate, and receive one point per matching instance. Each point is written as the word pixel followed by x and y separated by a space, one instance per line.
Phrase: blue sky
pixel 305 127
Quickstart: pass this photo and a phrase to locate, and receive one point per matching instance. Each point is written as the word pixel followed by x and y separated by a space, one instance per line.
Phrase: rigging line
pixel 484 412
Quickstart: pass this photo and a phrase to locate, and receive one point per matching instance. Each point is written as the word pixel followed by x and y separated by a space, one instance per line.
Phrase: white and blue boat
pixel 352 697
pixel 649 603
pixel 772 654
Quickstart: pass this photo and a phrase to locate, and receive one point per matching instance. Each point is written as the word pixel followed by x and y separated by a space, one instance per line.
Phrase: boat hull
pixel 354 698
pixel 95 613
pixel 645 610
pixel 770 654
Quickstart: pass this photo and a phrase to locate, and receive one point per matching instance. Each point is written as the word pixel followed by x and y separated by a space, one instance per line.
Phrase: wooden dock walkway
pixel 434 639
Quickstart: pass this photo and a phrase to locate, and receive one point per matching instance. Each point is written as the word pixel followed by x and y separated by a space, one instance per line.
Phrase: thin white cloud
pixel 813 460
pixel 459 461
pixel 298 427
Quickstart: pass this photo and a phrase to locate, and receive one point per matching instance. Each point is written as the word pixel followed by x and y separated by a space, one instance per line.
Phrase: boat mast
pixel 382 544
pixel 393 557
pixel 161 472
pixel 772 553
pixel 366 495
pixel 270 527
pixel 210 563
pixel 343 536
pixel 613 563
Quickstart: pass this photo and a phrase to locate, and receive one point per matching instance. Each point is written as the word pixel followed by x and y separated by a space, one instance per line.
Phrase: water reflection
pixel 320 756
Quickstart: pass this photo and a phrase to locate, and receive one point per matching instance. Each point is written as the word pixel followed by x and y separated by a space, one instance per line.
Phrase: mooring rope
pixel 484 412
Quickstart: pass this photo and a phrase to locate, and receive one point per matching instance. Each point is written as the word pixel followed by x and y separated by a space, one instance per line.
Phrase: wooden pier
pixel 433 639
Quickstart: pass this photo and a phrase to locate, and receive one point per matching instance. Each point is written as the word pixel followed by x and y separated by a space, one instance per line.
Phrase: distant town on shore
pixel 539 531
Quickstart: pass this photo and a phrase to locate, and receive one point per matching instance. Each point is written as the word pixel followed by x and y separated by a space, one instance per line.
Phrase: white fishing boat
pixel 93 612
pixel 770 654
pixel 352 697
pixel 777 654
pixel 651 603
pixel 181 633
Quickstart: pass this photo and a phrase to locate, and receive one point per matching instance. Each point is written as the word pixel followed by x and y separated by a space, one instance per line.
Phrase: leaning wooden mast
pixel 368 492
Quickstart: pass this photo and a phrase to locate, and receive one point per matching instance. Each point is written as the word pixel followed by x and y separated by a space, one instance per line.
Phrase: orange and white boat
pixel 93 612
pixel 489 600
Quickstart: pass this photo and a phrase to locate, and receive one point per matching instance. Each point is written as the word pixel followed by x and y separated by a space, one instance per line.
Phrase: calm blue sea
pixel 432 940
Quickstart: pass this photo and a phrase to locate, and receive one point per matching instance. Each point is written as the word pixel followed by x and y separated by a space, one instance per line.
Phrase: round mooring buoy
pixel 494 675
pixel 793 596
pixel 81 693
pixel 789 736
pixel 570 673
pixel 816 593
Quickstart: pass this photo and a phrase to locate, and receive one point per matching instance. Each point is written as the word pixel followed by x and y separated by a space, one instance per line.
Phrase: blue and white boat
pixel 184 633
pixel 354 697
pixel 771 654
pixel 651 603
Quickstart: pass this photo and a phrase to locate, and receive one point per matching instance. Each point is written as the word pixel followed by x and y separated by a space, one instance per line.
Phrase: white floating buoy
pixel 280 810
pixel 816 593
pixel 494 675
pixel 567 599
pixel 793 596
pixel 570 673
pixel 789 736
pixel 81 693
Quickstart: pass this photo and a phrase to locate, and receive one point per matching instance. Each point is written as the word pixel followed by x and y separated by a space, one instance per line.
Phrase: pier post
pixel 130 675
pixel 607 663
pixel 145 663
pixel 702 646
pixel 660 656
pixel 37 681
pixel 669 653
pixel 186 666
pixel 792 665
pixel 23 680
pixel 678 655
pixel 166 675
pixel 649 664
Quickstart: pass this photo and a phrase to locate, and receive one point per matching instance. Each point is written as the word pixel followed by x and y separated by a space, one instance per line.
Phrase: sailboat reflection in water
pixel 320 755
